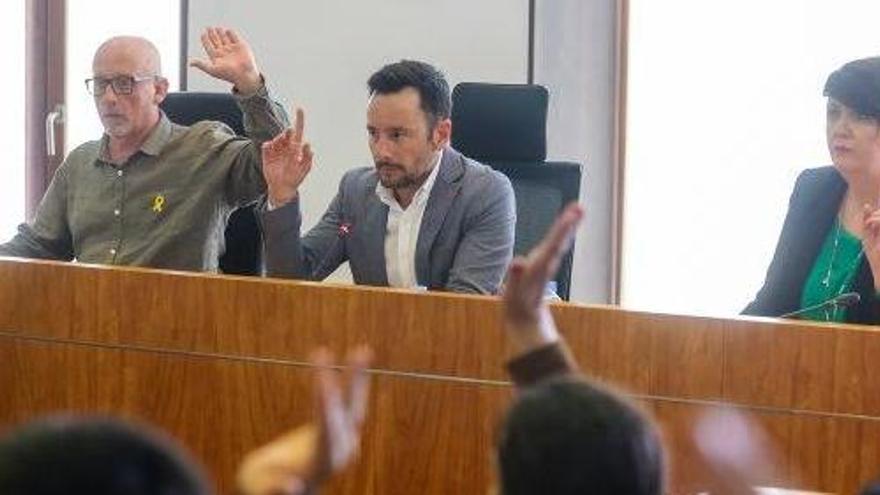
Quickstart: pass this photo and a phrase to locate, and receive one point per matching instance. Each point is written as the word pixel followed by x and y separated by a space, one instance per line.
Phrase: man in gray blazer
pixel 423 216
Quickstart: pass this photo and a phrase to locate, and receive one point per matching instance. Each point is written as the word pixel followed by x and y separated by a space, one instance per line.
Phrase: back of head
pixel 857 85
pixel 567 436
pixel 434 94
pixel 93 456
pixel 872 488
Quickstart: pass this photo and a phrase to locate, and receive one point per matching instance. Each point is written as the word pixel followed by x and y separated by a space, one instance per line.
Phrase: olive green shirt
pixel 165 207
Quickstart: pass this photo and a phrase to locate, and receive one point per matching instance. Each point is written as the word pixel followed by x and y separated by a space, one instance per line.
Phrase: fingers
pixel 232 36
pixel 201 65
pixel 329 393
pixel 215 38
pixel 299 124
pixel 358 383
pixel 534 271
pixel 211 49
pixel 549 252
pixel 225 36
pixel 871 220
pixel 206 44
pixel 307 159
pixel 515 273
pixel 275 145
pixel 556 240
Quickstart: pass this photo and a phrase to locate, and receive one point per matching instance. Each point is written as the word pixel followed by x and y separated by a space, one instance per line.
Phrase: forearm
pixel 281 228
pixel 28 244
pixel 263 117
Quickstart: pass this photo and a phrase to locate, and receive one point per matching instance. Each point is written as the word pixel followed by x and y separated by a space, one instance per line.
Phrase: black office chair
pixel 504 126
pixel 243 253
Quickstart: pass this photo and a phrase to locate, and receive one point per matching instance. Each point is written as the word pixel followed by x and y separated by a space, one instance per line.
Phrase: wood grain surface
pixel 221 362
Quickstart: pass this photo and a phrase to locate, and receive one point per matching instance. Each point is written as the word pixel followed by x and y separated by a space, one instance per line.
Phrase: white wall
pixel 319 55
pixel 574 57
pixel 12 129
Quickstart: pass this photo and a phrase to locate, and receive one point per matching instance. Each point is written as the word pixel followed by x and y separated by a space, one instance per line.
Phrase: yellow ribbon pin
pixel 158 203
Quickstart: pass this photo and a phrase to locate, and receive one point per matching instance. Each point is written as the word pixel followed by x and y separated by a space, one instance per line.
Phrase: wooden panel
pixel 856 381
pixel 687 358
pixel 248 317
pixel 839 454
pixel 217 360
pixel 221 408
pixel 751 379
pixel 759 362
pixel 612 347
pixel 422 435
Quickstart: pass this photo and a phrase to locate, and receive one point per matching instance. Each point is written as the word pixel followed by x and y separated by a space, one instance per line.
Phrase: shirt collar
pixel 387 195
pixel 155 142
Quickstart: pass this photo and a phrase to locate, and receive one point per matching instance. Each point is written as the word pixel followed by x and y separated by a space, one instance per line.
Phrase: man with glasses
pixel 149 192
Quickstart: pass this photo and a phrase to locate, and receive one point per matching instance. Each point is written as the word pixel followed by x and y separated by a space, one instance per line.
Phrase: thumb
pixel 201 65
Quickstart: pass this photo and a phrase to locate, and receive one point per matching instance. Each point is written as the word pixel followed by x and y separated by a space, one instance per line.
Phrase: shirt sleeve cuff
pixel 261 92
pixel 541 363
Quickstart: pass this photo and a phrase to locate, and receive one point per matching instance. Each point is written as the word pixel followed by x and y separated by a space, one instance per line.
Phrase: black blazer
pixel 812 209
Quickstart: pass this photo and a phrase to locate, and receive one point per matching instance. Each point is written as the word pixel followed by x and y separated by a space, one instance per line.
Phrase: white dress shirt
pixel 402 230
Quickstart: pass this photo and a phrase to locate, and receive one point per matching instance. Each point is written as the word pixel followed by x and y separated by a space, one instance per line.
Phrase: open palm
pixel 230 58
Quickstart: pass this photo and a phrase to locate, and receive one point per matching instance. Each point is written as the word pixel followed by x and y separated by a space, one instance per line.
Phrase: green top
pixel 832 273
pixel 165 207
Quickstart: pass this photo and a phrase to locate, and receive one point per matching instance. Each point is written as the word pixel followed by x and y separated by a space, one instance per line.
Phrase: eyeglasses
pixel 122 85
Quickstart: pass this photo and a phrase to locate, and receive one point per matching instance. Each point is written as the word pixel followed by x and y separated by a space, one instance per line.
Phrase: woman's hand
pixel 871 240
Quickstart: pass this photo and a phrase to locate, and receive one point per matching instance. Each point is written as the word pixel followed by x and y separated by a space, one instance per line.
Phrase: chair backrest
pixel 243 241
pixel 187 108
pixel 504 126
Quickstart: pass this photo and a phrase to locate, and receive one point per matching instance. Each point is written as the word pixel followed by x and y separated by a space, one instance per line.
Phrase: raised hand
pixel 304 458
pixel 286 162
pixel 343 407
pixel 871 240
pixel 526 315
pixel 734 449
pixel 230 58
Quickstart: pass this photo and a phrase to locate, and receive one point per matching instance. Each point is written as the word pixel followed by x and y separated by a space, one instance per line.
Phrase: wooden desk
pixel 220 362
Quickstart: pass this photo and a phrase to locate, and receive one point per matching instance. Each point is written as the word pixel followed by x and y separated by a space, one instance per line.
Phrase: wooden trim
pixel 621 58
pixel 44 88
pixel 36 27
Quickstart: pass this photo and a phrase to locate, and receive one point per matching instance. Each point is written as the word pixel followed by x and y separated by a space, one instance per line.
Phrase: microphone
pixel 844 300
pixel 342 231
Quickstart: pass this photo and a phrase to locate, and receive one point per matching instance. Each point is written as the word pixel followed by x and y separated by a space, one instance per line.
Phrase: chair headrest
pixel 187 108
pixel 492 122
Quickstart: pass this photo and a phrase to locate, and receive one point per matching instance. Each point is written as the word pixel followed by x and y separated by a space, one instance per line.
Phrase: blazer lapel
pixel 443 194
pixel 821 216
pixel 374 225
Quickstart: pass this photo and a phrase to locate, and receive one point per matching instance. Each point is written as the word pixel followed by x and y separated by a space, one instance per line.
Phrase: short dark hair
pixel 431 84
pixel 872 488
pixel 97 456
pixel 569 436
pixel 857 85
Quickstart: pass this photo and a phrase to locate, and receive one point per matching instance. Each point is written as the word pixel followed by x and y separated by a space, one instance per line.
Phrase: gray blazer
pixel 465 239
